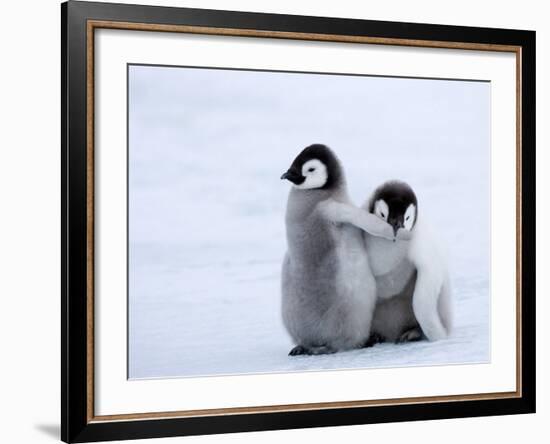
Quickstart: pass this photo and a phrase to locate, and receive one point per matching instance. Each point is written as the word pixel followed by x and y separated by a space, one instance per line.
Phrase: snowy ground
pixel 206 207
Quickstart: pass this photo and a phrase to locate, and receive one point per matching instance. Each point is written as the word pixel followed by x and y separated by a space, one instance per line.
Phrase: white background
pixel 29 226
pixel 115 394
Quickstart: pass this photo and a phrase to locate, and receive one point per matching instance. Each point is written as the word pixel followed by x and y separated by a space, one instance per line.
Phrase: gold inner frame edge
pixel 105 24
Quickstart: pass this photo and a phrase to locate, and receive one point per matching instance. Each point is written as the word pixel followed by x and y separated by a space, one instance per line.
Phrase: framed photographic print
pixel 275 221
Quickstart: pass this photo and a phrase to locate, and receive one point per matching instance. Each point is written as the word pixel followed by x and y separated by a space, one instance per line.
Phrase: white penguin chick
pixel 327 297
pixel 413 287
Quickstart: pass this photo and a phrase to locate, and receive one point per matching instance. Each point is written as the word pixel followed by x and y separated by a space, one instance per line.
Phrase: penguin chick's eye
pixel 315 173
pixel 381 209
pixel 410 216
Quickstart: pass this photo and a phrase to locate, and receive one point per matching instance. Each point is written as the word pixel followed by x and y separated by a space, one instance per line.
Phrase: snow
pixel 206 207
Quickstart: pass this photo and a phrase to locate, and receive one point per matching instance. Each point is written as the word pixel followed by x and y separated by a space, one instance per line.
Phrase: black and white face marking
pixel 395 202
pixel 381 209
pixel 315 173
pixel 315 167
pixel 410 217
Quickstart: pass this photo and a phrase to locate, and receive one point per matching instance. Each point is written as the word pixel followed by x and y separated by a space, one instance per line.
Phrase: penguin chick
pixel 328 291
pixel 413 291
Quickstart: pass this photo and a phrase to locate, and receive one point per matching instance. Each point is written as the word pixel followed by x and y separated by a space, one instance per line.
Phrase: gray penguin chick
pixel 413 291
pixel 327 297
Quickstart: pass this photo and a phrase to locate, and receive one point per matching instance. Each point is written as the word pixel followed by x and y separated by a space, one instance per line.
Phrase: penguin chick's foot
pixel 410 335
pixel 320 350
pixel 374 339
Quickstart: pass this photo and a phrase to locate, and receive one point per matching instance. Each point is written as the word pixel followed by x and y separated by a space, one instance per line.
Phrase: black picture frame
pixel 76 326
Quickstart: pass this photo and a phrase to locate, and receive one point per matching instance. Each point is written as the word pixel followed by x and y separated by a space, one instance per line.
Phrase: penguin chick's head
pixel 395 202
pixel 316 167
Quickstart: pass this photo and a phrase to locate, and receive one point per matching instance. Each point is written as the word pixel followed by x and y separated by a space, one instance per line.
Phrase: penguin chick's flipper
pixel 341 212
pixel 374 339
pixel 410 335
pixel 320 350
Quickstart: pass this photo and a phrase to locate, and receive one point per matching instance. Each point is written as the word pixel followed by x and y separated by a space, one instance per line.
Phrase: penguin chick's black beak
pixel 396 227
pixel 292 175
